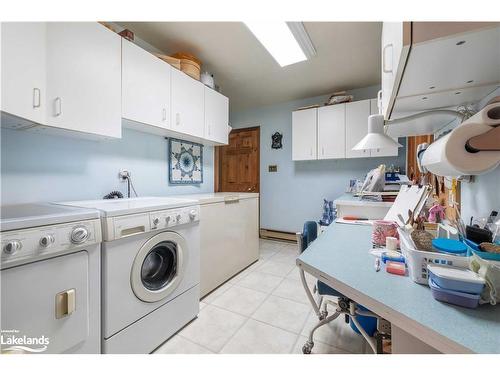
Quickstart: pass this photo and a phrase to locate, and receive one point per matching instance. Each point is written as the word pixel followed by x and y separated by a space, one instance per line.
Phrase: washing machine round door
pixel 159 267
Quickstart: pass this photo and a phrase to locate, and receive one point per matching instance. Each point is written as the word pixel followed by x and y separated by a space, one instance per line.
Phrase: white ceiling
pixel 348 57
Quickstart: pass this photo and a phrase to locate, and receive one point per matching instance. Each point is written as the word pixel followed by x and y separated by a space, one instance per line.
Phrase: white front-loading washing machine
pixel 150 270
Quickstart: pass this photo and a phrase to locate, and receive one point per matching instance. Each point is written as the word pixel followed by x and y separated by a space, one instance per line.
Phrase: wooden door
pixel 239 162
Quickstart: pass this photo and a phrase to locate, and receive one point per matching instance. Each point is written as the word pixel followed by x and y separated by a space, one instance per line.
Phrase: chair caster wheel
pixel 307 348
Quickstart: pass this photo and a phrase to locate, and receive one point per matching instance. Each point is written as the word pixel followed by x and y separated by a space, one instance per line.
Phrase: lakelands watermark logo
pixel 12 341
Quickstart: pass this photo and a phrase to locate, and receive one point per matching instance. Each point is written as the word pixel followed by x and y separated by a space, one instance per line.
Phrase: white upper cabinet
pixel 145 87
pixel 356 127
pixel 84 78
pixel 23 70
pixel 187 103
pixel 380 152
pixel 216 116
pixel 396 39
pixel 331 132
pixel 304 134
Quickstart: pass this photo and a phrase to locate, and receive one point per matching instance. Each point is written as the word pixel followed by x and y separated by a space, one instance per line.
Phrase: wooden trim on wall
pixel 217 169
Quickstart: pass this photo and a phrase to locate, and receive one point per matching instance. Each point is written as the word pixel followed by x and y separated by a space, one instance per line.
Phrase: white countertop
pixel 206 198
pixel 125 206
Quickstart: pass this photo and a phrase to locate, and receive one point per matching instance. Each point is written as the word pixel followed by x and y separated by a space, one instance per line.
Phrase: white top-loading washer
pixel 150 270
pixel 50 279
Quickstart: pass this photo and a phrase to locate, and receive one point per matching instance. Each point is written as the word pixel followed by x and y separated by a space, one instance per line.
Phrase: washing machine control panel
pixel 171 218
pixel 31 244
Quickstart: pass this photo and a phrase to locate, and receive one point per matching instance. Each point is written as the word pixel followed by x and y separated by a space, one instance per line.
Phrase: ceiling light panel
pixel 279 41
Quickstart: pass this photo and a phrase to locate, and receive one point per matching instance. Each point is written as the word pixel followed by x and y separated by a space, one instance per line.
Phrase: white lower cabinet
pixel 304 134
pixel 331 132
pixel 84 78
pixel 229 240
pixel 187 105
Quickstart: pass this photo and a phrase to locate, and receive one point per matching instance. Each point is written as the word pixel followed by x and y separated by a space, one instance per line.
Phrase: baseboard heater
pixel 277 235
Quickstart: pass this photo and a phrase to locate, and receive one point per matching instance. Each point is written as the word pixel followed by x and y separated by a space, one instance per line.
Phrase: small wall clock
pixel 185 164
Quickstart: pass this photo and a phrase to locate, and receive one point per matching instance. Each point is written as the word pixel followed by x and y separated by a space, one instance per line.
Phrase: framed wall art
pixel 185 162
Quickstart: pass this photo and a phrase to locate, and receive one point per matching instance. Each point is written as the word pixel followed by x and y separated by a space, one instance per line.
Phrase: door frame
pixel 217 159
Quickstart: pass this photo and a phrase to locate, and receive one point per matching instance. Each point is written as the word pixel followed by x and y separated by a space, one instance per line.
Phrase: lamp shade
pixel 376 137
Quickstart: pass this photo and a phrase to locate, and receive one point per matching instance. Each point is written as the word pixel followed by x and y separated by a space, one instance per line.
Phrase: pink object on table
pixel 396 268
pixel 436 214
pixel 383 229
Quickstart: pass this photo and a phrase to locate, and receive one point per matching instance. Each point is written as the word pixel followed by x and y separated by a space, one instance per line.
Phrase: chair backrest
pixel 308 235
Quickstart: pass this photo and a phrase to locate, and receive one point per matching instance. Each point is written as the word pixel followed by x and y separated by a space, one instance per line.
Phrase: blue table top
pixel 341 253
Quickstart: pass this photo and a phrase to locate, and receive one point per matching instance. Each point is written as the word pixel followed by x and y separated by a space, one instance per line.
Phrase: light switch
pixel 273 168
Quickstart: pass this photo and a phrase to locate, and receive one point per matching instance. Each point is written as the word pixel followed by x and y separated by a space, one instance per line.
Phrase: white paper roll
pixel 448 157
pixel 489 115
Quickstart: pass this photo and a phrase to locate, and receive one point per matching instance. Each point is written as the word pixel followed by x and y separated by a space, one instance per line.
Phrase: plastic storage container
pixel 460 280
pixel 449 246
pixel 417 260
pixel 456 298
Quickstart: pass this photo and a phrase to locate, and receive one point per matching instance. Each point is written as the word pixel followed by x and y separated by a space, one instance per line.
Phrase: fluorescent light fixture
pixel 376 137
pixel 287 43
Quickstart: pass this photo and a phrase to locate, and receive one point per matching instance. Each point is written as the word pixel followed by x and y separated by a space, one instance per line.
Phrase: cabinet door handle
pixel 57 107
pixel 164 113
pixel 177 119
pixel 65 303
pixel 209 129
pixel 37 97
pixel 384 69
pixel 322 150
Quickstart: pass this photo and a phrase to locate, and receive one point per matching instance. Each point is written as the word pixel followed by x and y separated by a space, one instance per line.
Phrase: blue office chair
pixel 362 321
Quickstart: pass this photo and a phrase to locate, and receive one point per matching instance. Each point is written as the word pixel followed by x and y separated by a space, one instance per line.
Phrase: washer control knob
pixel 47 240
pixel 192 214
pixel 167 219
pixel 12 246
pixel 156 221
pixel 178 217
pixel 79 235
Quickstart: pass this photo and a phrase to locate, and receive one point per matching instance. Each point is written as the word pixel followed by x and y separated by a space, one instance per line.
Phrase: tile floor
pixel 263 309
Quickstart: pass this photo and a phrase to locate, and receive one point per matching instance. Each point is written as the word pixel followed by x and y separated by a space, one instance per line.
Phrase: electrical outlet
pixel 273 168
pixel 123 175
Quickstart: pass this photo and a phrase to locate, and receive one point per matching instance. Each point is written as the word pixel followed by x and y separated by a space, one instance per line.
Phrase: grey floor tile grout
pixel 279 248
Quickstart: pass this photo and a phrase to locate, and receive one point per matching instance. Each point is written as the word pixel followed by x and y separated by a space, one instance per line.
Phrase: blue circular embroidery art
pixel 186 162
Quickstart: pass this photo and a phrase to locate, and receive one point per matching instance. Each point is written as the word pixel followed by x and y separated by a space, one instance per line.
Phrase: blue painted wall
pixel 295 193
pixel 39 167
